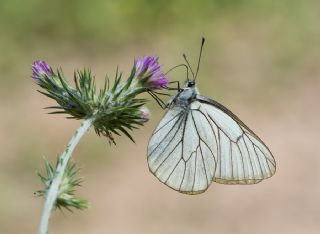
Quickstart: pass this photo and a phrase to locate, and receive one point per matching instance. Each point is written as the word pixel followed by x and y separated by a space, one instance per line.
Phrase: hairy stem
pixel 63 160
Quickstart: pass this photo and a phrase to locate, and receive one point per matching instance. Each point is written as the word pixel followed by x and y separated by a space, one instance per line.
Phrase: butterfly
pixel 199 141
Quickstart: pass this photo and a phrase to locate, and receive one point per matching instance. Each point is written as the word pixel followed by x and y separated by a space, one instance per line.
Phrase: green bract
pixel 115 109
pixel 66 198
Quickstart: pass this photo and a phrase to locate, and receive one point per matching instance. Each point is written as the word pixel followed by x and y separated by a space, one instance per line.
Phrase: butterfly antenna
pixel 180 65
pixel 185 58
pixel 202 42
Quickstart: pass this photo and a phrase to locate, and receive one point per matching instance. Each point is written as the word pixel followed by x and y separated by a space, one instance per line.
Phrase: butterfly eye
pixel 191 83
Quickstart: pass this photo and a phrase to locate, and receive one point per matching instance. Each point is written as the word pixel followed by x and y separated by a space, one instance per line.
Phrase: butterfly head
pixel 190 83
pixel 186 95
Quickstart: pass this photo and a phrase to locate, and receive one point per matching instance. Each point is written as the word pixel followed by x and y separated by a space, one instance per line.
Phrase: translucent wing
pixel 182 151
pixel 243 158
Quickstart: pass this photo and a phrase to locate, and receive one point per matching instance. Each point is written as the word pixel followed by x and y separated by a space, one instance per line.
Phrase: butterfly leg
pixel 175 82
pixel 161 103
pixel 158 100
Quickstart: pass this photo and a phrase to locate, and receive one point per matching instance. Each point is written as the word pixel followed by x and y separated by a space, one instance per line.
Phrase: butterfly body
pixel 199 141
pixel 185 97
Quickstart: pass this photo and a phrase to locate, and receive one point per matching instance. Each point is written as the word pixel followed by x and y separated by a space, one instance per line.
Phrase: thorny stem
pixel 63 160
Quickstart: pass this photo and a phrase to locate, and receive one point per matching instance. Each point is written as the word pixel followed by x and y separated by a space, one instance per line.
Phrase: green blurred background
pixel 261 59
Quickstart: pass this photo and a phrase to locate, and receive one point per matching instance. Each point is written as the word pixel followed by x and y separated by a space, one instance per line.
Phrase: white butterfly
pixel 199 141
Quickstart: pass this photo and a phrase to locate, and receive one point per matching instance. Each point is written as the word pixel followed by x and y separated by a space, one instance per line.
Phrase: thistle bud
pixel 145 114
pixel 41 69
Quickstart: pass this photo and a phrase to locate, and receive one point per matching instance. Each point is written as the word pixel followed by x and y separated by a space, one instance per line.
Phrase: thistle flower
pixel 40 69
pixel 148 71
pixel 112 110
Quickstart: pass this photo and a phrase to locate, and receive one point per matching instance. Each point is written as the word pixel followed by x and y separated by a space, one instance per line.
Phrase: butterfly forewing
pixel 243 158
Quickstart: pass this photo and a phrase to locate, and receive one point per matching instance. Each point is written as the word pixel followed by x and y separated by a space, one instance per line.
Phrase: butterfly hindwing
pixel 181 152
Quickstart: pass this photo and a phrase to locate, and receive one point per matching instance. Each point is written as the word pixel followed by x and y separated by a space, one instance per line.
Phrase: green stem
pixel 63 160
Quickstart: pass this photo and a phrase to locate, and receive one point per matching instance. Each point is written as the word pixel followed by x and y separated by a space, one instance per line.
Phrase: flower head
pixel 41 69
pixel 149 68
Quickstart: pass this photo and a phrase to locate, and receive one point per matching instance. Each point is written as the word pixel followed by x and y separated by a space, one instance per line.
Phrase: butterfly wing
pixel 243 158
pixel 182 153
pixel 203 143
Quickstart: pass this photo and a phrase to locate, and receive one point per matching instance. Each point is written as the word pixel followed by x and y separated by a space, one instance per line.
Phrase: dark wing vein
pixel 199 146
pixel 180 113
pixel 248 156
pixel 173 170
pixel 165 159
pixel 177 122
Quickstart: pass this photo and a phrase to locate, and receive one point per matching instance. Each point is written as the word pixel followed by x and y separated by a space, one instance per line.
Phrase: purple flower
pixel 41 69
pixel 149 67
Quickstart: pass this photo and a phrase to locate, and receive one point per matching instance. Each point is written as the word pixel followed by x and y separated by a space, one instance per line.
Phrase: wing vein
pixel 249 156
pixel 195 169
pixel 184 173
pixel 244 171
pixel 204 167
pixel 180 113
pixel 219 152
pixel 178 122
pixel 200 138
pixel 258 159
pixel 231 160
pixel 173 170
pixel 167 156
pixel 266 160
pixel 220 129
pixel 215 137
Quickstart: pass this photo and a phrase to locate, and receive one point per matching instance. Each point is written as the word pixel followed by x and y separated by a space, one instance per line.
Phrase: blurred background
pixel 261 59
